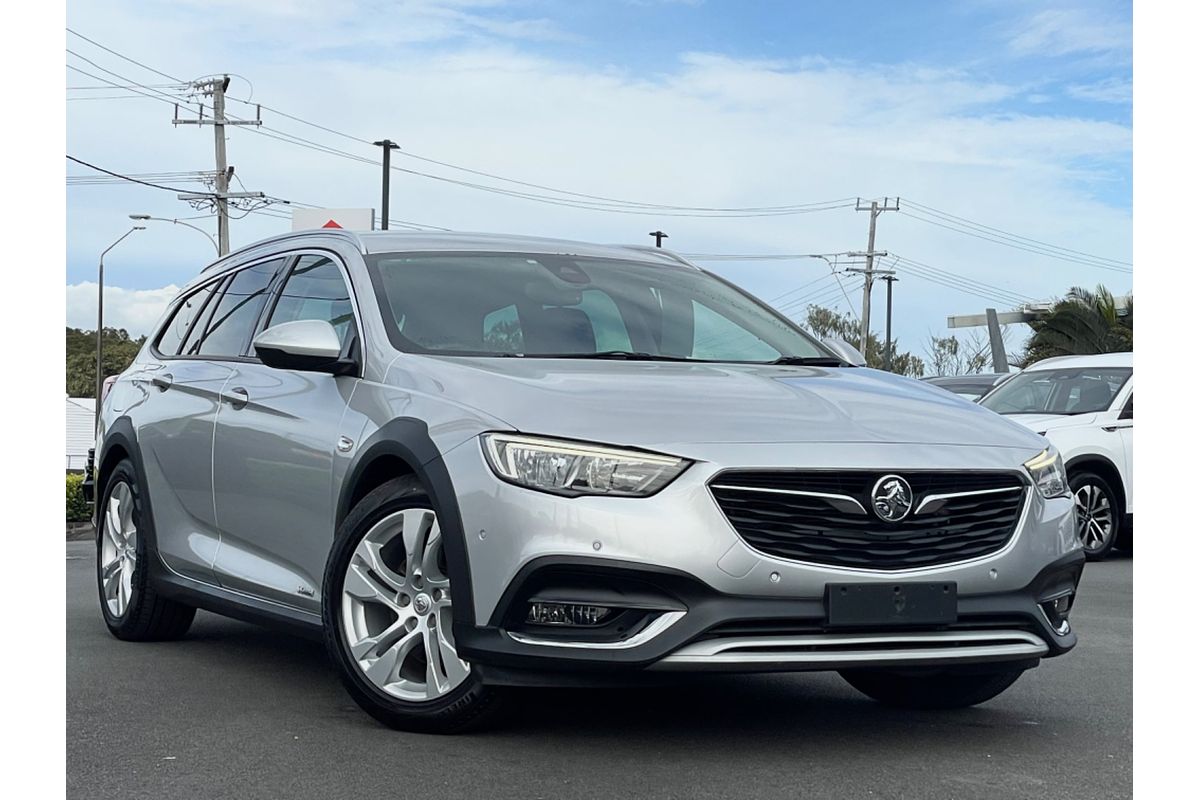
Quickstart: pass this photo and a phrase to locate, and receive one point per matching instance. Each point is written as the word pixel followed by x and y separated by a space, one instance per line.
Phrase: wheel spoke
pixel 362 585
pixel 126 585
pixel 112 519
pixel 455 668
pixel 386 668
pixel 371 554
pixel 417 525
pixel 112 581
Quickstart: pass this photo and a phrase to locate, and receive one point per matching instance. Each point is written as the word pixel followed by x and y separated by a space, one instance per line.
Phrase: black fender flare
pixel 122 433
pixel 408 438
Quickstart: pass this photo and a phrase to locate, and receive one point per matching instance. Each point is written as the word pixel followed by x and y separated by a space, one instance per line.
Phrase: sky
pixel 1004 127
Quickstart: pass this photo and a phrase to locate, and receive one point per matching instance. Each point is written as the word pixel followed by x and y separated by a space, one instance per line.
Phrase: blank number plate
pixel 885 604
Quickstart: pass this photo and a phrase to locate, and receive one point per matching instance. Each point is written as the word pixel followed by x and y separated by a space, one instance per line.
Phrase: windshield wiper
pixel 811 361
pixel 615 355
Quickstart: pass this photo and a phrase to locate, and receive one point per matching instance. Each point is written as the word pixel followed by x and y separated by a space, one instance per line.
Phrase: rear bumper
pixel 706 630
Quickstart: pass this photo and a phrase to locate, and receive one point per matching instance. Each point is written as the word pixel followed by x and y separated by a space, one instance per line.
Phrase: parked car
pixel 1084 406
pixel 471 462
pixel 971 387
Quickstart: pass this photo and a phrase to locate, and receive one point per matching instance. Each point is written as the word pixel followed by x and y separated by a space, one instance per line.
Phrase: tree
pixel 826 323
pixel 1082 323
pixel 119 351
pixel 970 355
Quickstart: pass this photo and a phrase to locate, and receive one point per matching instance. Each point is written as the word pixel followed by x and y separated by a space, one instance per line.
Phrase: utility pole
pixel 216 88
pixel 887 347
pixel 388 146
pixel 658 237
pixel 869 272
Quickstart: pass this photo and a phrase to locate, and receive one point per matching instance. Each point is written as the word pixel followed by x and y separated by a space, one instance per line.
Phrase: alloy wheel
pixel 396 609
pixel 1093 516
pixel 118 549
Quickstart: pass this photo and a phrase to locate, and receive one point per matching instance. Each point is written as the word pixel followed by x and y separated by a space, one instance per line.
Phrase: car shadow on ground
pixel 771 710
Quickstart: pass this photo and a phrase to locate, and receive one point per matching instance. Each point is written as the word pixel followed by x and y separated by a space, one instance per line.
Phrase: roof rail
pixel 340 233
pixel 658 251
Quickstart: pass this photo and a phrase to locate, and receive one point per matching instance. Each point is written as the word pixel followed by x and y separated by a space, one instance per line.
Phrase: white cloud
pixel 135 310
pixel 1062 31
pixel 1110 90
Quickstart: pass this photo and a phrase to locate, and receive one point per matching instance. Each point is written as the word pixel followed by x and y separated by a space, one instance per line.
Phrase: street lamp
pixel 100 321
pixel 147 217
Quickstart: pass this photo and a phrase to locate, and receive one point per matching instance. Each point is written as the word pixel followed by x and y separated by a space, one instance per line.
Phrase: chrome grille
pixel 824 517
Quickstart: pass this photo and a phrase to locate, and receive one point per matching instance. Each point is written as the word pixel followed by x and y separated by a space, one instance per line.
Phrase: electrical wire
pixel 130 178
pixel 969 223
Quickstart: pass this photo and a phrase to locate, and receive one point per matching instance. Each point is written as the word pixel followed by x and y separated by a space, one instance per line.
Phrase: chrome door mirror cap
pixel 307 344
pixel 845 350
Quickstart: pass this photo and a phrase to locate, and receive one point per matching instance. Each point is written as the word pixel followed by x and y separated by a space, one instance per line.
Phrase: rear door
pixel 175 424
pixel 274 449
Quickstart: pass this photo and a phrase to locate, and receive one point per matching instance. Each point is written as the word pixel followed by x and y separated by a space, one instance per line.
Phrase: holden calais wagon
pixel 471 462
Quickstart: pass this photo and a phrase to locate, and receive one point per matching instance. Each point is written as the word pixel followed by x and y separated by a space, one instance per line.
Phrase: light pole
pixel 147 218
pixel 100 321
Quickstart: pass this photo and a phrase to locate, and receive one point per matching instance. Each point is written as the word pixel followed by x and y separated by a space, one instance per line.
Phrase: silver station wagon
pixel 471 462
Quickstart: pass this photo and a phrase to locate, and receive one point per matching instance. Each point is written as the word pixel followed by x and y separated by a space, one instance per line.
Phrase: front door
pixel 273 453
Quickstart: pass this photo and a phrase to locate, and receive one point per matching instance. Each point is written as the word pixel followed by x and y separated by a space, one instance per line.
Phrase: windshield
pixel 518 304
pixel 1058 391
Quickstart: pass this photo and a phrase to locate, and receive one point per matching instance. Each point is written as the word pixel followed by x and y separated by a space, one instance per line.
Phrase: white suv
pixel 1084 405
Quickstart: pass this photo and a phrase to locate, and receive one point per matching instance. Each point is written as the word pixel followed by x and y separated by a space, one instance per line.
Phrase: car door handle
pixel 164 381
pixel 1118 426
pixel 236 397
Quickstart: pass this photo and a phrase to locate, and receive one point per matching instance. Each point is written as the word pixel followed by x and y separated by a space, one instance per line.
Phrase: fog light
pixel 1057 609
pixel 566 614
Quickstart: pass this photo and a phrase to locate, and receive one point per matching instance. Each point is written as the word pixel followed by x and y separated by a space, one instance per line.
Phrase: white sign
pixel 352 219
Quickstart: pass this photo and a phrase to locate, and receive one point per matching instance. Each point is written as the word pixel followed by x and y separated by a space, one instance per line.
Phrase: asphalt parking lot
pixel 238 711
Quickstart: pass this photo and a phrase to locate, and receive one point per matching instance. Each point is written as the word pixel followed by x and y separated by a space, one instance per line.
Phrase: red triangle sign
pixel 331 224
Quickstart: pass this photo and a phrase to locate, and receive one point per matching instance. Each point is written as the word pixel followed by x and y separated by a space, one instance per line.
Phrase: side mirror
pixel 309 345
pixel 846 351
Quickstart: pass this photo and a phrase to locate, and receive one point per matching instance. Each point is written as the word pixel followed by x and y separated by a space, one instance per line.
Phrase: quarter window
pixel 176 329
pixel 316 290
pixel 229 329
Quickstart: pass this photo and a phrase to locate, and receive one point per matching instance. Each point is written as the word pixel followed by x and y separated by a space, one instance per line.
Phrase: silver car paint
pixel 278 471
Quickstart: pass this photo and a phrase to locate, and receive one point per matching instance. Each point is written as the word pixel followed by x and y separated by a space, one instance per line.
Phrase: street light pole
pixel 100 322
pixel 147 218
pixel 388 146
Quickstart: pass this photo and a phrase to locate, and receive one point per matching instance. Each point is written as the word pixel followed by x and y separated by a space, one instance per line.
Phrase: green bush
pixel 77 508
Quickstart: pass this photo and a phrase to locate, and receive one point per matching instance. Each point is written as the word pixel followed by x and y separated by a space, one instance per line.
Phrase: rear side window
pixel 316 290
pixel 233 319
pixel 181 321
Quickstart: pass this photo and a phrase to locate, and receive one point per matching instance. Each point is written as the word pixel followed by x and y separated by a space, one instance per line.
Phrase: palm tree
pixel 1082 323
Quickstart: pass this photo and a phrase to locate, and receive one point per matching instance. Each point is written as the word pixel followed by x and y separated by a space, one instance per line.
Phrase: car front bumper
pixel 717 604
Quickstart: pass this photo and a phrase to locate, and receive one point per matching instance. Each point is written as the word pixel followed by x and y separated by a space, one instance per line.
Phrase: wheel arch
pixel 1103 467
pixel 404 447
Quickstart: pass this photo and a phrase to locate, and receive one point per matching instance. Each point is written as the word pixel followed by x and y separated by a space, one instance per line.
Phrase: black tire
pixel 1125 536
pixel 935 690
pixel 1079 481
pixel 147 617
pixel 467 706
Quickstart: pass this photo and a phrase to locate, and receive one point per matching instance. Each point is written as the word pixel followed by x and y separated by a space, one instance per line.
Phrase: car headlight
pixel 1048 473
pixel 572 468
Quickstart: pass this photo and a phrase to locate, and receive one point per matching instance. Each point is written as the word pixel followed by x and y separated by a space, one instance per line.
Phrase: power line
pixel 958 276
pixel 126 58
pixel 129 178
pixel 969 223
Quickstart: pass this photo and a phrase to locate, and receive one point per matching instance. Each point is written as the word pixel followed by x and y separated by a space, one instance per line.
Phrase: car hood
pixel 658 404
pixel 1052 422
